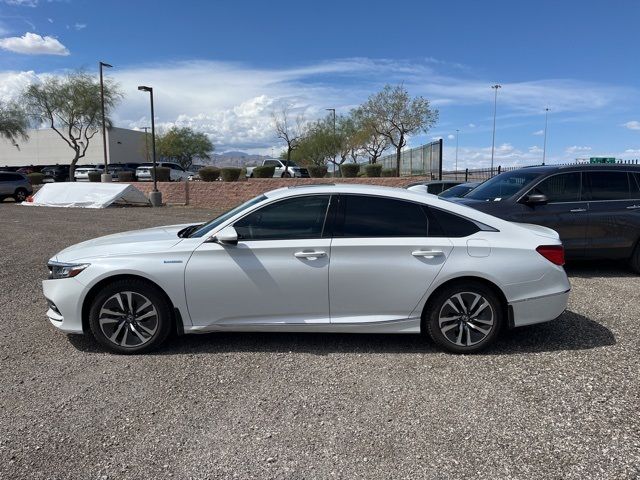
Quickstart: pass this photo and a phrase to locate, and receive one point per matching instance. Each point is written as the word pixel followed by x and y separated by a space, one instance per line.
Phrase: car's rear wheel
pixel 464 317
pixel 635 258
pixel 130 316
pixel 286 175
pixel 20 195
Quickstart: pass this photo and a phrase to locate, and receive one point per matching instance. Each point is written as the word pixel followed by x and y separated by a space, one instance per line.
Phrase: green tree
pixel 13 122
pixel 393 114
pixel 372 143
pixel 183 145
pixel 316 146
pixel 70 105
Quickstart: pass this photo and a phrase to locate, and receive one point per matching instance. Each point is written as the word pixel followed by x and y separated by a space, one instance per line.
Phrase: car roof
pixel 577 167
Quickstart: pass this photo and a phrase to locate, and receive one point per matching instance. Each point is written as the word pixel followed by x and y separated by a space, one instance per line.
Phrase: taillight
pixel 553 253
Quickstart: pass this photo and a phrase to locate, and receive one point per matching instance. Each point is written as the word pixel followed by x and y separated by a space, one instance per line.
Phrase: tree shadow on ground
pixel 569 332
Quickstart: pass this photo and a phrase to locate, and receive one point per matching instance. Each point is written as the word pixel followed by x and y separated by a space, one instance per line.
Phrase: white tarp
pixel 87 195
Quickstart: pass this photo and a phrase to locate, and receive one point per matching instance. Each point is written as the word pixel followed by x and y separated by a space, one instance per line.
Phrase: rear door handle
pixel 578 210
pixel 310 255
pixel 633 207
pixel 427 253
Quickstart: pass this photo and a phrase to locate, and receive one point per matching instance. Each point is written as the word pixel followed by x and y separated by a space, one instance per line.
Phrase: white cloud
pixel 80 26
pixel 577 149
pixel 538 132
pixel 22 3
pixel 34 44
pixel 535 149
pixel 50 20
pixel 632 125
pixel 451 136
pixel 472 125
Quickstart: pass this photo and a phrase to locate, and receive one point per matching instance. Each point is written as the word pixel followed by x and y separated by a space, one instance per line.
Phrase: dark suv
pixel 594 208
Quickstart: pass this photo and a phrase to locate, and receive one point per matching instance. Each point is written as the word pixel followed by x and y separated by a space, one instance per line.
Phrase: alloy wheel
pixel 128 319
pixel 466 319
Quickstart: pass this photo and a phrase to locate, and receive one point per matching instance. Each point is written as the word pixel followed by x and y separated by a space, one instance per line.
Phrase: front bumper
pixel 67 295
pixel 538 309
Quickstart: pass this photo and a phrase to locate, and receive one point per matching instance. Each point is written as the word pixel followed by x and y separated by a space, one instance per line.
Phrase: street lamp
pixel 495 105
pixel 544 149
pixel 155 196
pixel 457 135
pixel 105 177
pixel 146 143
pixel 334 137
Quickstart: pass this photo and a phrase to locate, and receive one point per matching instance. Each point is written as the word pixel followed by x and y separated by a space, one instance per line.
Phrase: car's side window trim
pixel 276 200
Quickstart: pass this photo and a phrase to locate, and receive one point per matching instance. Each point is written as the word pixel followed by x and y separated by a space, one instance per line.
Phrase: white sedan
pixel 320 258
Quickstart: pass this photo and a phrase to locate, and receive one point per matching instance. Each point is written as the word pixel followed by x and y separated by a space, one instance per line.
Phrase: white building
pixel 45 147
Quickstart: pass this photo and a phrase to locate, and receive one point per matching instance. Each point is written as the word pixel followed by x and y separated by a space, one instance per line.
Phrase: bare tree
pixel 13 122
pixel 393 114
pixel 289 132
pixel 71 107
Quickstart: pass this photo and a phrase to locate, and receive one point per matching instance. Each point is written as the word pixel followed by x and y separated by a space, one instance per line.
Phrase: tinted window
pixel 635 184
pixel 608 185
pixel 366 216
pixel 503 185
pixel 560 188
pixel 300 217
pixel 10 177
pixel 452 225
pixel 269 163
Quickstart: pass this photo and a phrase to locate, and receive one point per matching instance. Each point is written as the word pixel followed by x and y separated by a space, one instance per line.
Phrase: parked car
pixel 400 262
pixel 81 173
pixel 434 187
pixel 282 169
pixel 55 173
pixel 193 171
pixel 178 174
pixel 459 190
pixel 116 168
pixel 14 185
pixel 594 208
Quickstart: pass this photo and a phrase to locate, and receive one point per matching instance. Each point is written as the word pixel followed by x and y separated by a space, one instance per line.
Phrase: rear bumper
pixel 538 309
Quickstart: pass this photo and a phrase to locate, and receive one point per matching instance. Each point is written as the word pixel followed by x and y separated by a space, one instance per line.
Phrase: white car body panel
pixel 359 285
pixel 144 173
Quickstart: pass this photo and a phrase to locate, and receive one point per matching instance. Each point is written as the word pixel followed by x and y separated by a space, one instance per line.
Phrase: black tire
pixel 463 335
pixel 159 323
pixel 286 175
pixel 20 195
pixel 634 261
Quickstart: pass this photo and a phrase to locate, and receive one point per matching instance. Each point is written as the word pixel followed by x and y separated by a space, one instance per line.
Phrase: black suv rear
pixel 594 208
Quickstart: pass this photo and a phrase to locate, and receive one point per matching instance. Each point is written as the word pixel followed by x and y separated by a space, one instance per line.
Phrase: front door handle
pixel 310 255
pixel 427 253
pixel 578 210
pixel 633 207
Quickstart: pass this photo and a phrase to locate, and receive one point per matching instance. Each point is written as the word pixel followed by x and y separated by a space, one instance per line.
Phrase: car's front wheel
pixel 464 317
pixel 20 195
pixel 130 316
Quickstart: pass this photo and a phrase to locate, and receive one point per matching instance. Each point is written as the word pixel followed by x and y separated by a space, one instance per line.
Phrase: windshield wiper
pixel 185 232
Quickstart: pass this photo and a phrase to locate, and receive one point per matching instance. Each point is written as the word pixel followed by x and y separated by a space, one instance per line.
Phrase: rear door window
pixel 564 187
pixel 607 185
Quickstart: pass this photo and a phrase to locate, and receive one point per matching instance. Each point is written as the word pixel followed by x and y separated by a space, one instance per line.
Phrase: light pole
pixel 495 106
pixel 106 176
pixel 544 148
pixel 155 197
pixel 457 135
pixel 334 137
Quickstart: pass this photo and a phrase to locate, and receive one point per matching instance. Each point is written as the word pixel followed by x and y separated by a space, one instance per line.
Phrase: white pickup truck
pixel 294 170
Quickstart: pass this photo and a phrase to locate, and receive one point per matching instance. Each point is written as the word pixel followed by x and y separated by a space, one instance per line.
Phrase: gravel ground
pixel 553 401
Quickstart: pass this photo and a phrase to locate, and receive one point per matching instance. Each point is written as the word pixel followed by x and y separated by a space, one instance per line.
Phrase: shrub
pixel 373 170
pixel 388 172
pixel 209 174
pixel 264 171
pixel 230 174
pixel 94 176
pixel 317 171
pixel 243 173
pixel 350 170
pixel 35 178
pixel 163 174
pixel 126 176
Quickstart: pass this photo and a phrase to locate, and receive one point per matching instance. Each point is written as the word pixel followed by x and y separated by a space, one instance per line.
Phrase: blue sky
pixel 223 67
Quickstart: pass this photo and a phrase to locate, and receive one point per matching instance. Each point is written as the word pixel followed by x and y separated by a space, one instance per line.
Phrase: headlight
pixel 65 270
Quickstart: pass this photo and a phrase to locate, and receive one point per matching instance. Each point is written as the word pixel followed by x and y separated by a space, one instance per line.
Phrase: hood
pixel 495 208
pixel 136 241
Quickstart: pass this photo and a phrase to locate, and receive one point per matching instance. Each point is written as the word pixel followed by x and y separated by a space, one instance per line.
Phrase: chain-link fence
pixel 422 160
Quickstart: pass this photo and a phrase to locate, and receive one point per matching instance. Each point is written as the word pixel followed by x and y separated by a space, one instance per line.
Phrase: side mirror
pixel 226 236
pixel 535 199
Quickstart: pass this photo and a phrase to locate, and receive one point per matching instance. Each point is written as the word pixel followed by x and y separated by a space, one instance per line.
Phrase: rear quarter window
pixel 446 224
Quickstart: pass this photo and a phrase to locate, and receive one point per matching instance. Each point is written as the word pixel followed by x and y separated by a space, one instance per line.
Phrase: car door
pixel 614 213
pixel 566 211
pixel 278 167
pixel 6 184
pixel 278 273
pixel 382 259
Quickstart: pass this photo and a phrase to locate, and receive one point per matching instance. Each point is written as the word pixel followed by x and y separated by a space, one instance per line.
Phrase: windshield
pixel 210 225
pixel 502 186
pixel 456 191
